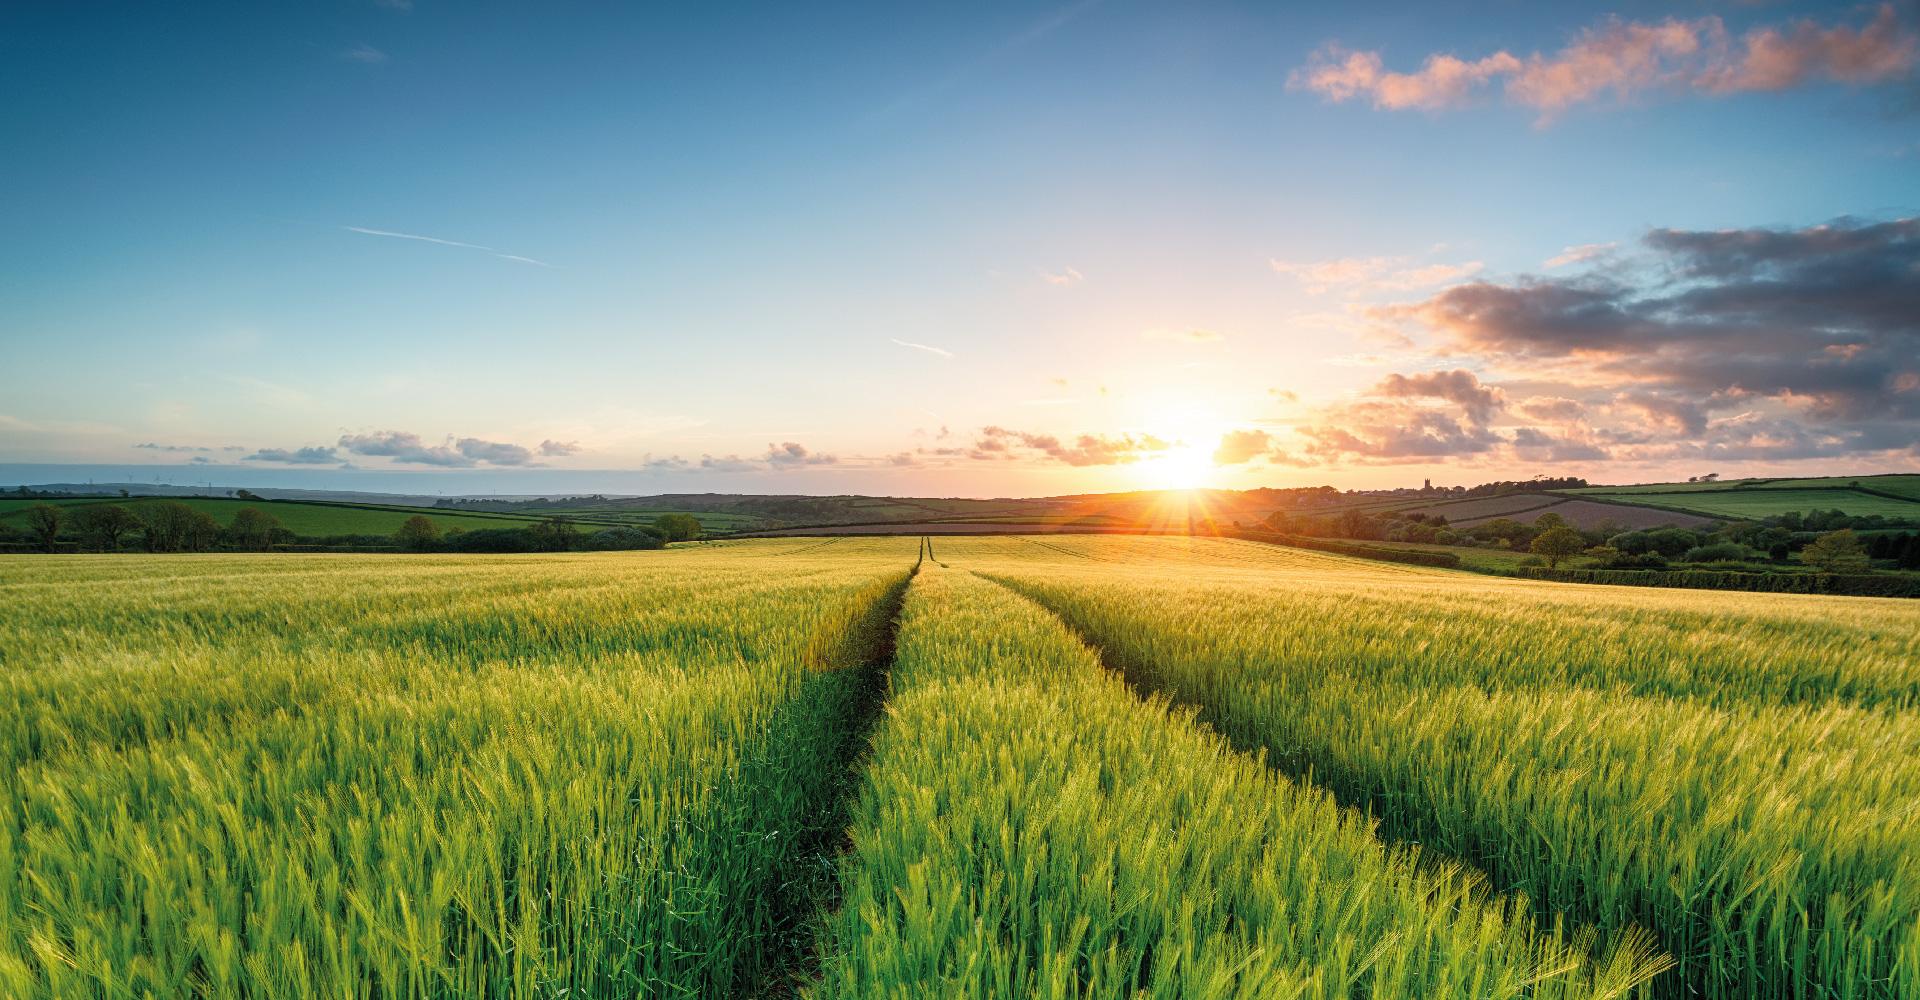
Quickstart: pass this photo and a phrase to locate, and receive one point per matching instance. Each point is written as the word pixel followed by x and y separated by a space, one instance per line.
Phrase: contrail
pixel 445 243
pixel 923 347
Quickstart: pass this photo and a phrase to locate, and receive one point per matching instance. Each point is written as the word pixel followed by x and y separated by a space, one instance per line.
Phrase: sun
pixel 1185 466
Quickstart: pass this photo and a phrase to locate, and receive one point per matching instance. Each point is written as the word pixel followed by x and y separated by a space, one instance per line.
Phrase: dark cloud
pixel 298 456
pixel 1822 323
pixel 556 449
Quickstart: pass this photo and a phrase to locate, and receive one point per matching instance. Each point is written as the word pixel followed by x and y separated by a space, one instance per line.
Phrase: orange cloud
pixel 1625 58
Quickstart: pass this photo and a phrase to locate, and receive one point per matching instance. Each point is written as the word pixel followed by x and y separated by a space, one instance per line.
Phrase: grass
pixel 1738 773
pixel 1030 828
pixel 586 775
pixel 1762 502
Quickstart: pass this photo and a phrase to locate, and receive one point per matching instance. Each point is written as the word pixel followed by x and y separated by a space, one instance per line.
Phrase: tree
pixel 253 528
pixel 166 524
pixel 105 524
pixel 418 533
pixel 43 519
pixel 1836 552
pixel 678 527
pixel 1555 544
pixel 555 534
pixel 202 531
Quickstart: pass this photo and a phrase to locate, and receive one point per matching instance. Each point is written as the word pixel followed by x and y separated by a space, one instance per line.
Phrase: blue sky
pixel 1140 240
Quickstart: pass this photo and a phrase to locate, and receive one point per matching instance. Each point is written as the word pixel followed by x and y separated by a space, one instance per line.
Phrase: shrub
pixel 617 539
pixel 493 540
pixel 1719 552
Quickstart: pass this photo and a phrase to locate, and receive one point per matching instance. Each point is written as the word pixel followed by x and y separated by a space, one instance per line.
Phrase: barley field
pixel 1086 767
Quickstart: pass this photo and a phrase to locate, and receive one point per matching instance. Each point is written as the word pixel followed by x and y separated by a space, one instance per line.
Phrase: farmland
pixel 1085 766
pixel 1893 497
pixel 307 519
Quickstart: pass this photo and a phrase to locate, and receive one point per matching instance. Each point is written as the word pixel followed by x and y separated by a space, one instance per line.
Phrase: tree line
pixel 1829 541
pixel 172 526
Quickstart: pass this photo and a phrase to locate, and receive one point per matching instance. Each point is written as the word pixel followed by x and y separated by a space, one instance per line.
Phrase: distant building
pixel 1426 485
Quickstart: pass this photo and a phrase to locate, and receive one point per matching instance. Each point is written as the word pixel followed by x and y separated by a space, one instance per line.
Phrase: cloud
pixel 1625 59
pixel 466 452
pixel 1372 273
pixel 1066 277
pixel 1394 431
pixel 1241 447
pixel 404 447
pixel 943 352
pixel 1557 409
pixel 1810 335
pixel 730 463
pixel 788 454
pixel 1534 445
pixel 556 449
pixel 1781 58
pixel 313 455
pixel 1443 82
pixel 1085 450
pixel 1579 254
pixel 363 53
pixel 445 243
pixel 493 452
pixel 1459 386
pixel 1676 414
pixel 151 446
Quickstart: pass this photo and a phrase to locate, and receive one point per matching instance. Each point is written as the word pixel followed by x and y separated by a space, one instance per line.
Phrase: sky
pixel 983 249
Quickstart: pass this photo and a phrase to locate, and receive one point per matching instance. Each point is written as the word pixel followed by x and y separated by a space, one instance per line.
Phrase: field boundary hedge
pixel 1416 557
pixel 1846 584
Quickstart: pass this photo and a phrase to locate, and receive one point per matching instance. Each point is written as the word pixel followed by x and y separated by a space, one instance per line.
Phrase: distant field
pixel 322 519
pixel 609 513
pixel 1762 502
pixel 310 519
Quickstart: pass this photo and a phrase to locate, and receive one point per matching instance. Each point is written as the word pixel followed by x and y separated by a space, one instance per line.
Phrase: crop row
pixel 1028 827
pixel 578 776
pixel 1739 777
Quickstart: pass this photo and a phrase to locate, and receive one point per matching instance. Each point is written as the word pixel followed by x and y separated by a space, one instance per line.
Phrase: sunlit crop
pixel 1061 767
